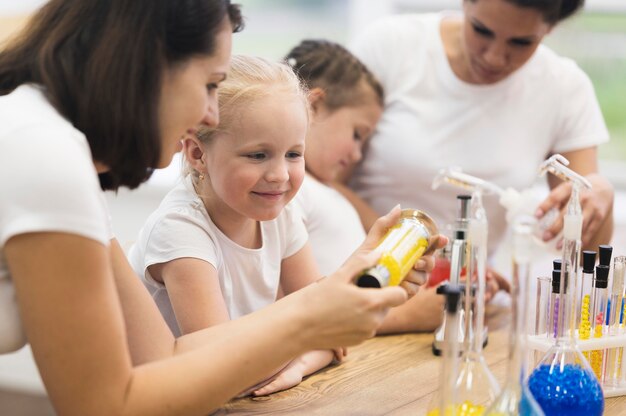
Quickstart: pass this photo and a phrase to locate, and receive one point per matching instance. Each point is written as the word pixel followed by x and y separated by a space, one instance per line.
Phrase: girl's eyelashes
pixel 256 156
pixel 294 155
pixel 211 87
pixel 357 136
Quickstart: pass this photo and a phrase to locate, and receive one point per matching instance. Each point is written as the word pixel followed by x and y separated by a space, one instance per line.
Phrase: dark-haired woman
pixel 479 91
pixel 94 95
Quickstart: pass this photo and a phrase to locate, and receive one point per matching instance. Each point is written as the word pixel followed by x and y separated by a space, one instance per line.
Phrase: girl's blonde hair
pixel 250 79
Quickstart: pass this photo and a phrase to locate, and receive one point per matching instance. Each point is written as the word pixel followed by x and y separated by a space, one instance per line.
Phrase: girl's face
pixel 189 94
pixel 336 138
pixel 257 168
pixel 499 37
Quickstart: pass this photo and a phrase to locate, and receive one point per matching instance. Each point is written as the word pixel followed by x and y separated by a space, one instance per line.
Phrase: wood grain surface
pixel 388 375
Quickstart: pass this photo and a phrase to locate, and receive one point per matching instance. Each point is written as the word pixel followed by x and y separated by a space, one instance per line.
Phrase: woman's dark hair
pixel 331 67
pixel 101 64
pixel 553 11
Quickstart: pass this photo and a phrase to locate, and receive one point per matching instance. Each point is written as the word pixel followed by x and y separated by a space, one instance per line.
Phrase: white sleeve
pixel 177 235
pixel 581 123
pixel 48 183
pixel 293 231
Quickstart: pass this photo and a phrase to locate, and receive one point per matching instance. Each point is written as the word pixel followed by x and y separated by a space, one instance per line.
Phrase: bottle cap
pixel 556 281
pixel 556 264
pixel 589 261
pixel 459 235
pixel 605 254
pixel 602 276
pixel 452 294
pixel 464 207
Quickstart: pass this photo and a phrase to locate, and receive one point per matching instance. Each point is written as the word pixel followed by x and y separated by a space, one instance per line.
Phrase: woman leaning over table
pixel 478 90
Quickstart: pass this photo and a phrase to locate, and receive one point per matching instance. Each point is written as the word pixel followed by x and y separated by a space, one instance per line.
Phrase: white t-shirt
pixel 432 119
pixel 48 183
pixel 181 227
pixel 334 226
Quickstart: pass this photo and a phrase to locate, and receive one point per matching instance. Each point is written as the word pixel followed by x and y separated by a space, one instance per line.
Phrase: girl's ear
pixel 194 152
pixel 316 99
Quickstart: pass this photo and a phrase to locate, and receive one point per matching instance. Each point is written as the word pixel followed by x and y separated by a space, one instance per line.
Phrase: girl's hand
pixel 418 276
pixel 288 377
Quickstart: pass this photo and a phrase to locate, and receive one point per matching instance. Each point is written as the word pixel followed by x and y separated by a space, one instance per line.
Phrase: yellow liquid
pixel 584 330
pixel 464 409
pixel 597 355
pixel 402 246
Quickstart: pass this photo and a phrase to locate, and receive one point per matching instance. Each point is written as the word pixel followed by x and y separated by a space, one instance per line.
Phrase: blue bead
pixel 572 391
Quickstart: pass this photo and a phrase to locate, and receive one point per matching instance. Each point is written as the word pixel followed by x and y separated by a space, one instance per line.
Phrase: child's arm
pixel 422 313
pixel 299 270
pixel 293 374
pixel 195 293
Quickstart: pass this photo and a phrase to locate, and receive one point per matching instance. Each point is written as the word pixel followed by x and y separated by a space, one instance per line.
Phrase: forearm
pixel 603 235
pixel 421 313
pixel 213 365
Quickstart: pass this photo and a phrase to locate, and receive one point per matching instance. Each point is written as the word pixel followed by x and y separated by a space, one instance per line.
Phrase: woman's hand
pixel 597 207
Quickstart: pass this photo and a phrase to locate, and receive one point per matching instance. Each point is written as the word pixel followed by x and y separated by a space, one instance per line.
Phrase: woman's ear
pixel 194 152
pixel 316 99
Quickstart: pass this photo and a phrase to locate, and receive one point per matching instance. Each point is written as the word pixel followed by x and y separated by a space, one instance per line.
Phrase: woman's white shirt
pixel 432 120
pixel 48 183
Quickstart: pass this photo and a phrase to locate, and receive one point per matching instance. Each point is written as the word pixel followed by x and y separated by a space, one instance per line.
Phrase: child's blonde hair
pixel 250 79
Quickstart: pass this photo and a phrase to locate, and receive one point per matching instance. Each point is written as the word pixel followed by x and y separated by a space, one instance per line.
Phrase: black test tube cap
pixel 602 276
pixel 589 261
pixel 605 254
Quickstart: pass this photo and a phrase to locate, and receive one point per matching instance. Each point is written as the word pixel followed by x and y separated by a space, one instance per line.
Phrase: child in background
pixel 346 104
pixel 222 240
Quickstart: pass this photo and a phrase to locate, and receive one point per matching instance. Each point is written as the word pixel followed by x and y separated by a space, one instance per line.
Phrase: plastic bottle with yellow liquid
pixel 403 245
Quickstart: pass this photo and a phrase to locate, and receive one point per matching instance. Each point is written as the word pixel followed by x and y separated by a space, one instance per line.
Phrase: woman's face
pixel 499 37
pixel 189 94
pixel 336 138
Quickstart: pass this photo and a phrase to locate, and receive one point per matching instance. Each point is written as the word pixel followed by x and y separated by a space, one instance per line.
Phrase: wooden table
pixel 388 375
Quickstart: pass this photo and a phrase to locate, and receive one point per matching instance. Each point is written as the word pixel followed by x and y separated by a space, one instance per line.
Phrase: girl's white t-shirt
pixel 334 227
pixel 181 227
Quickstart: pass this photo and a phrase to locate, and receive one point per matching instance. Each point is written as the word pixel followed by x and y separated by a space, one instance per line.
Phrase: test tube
pixel 614 355
pixel 542 310
pixel 586 284
pixel 555 299
pixel 598 304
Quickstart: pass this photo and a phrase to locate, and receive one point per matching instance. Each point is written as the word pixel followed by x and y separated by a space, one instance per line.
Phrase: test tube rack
pixel 542 343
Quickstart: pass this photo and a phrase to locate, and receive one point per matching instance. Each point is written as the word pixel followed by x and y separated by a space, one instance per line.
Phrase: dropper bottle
pixel 445 400
pixel 586 286
pixel 476 385
pixel 563 383
pixel 516 398
pixel 458 266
